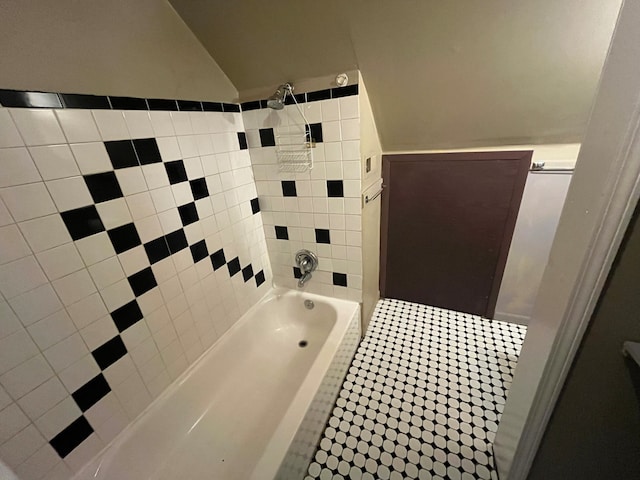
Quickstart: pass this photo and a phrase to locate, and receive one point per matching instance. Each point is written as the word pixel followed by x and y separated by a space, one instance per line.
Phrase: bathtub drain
pixel 302 343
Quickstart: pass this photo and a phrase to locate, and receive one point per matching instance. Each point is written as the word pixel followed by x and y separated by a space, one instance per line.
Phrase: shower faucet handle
pixel 306 261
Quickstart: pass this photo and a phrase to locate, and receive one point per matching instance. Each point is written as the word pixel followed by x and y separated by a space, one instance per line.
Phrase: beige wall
pixel 136 48
pixel 369 148
pixel 594 432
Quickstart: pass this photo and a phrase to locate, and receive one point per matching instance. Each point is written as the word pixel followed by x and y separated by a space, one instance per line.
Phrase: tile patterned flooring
pixel 422 398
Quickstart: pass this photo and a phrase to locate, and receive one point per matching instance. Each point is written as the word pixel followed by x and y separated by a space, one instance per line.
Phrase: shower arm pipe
pixel 289 88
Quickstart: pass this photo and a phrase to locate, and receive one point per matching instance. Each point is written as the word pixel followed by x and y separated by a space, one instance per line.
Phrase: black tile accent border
pixel 161 104
pixel 199 251
pixel 199 188
pixel 77 100
pixel 13 98
pixel 176 171
pixel 157 250
pixel 177 241
pixel 188 214
pixel 121 153
pixel 91 392
pixel 247 273
pixel 128 103
pixel 255 205
pixel 147 150
pixel 142 282
pixel 27 99
pixel 72 436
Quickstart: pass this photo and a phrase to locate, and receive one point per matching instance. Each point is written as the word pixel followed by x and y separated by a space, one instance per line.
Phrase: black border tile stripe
pixel 127 315
pixel 33 99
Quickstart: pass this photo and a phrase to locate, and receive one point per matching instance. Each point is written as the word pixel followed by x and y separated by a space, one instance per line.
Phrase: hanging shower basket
pixel 294 145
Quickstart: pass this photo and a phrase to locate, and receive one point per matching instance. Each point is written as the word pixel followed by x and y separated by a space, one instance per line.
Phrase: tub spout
pixel 303 279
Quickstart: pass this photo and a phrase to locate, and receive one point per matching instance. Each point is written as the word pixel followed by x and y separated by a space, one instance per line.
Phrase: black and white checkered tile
pixel 422 398
pixel 127 156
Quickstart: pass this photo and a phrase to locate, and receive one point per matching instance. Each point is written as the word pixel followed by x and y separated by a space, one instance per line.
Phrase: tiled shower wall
pixel 130 240
pixel 319 210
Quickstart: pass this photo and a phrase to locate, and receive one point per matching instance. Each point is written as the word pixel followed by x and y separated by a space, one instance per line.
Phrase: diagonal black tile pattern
pixel 199 188
pixel 147 150
pixel 124 238
pixel 142 282
pixel 267 138
pixel 218 260
pixel 157 250
pixel 122 153
pixel 340 279
pixel 199 251
pixel 259 278
pixel 335 188
pixel 127 315
pixel 176 171
pixel 82 222
pixel 289 188
pixel 176 241
pixel 242 140
pixel 422 398
pixel 103 186
pixel 233 266
pixel 282 233
pixel 247 273
pixel 188 214
pixel 323 235
pixel 91 392
pixel 72 436
pixel 110 352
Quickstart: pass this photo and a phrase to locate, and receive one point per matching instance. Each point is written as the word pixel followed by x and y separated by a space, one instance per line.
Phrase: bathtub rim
pixel 271 459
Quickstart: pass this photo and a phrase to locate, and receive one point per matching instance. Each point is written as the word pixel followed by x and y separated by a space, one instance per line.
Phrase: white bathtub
pixel 247 408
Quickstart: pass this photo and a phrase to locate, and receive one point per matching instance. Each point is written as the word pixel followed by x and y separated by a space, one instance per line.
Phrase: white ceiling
pixel 440 74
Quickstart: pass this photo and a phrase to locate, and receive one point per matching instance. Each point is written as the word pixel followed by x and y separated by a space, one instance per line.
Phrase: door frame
pixel 602 197
pixel 521 156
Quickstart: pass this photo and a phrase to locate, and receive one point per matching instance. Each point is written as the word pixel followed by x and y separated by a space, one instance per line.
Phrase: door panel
pixel 447 222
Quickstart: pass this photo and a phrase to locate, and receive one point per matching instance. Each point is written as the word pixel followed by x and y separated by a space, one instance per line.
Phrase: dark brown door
pixel 447 222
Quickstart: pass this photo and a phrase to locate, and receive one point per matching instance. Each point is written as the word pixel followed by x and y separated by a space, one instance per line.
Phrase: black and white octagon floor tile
pixel 422 398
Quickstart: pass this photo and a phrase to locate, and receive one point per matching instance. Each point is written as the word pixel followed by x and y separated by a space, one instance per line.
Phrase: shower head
pixel 276 101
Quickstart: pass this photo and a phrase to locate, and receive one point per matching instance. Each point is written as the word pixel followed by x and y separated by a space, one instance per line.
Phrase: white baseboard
pixel 511 318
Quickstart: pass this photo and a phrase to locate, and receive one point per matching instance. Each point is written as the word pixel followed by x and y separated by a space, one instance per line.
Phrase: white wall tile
pixel 87 310
pixel 138 123
pixel 5 216
pixel 9 136
pixel 106 272
pixel 60 261
pixel 91 157
pixel 66 352
pixel 111 124
pixel 74 287
pixel 69 193
pixel 17 167
pixel 15 349
pixel 38 464
pixel 37 127
pixel 54 161
pixel 99 332
pixel 79 373
pixel 43 398
pixel 169 149
pixel 12 244
pixel 9 324
pixel 20 276
pixel 35 304
pixel 95 248
pixel 26 376
pixel 78 125
pixel 330 110
pixel 51 329
pixel 21 446
pixel 116 295
pixel 28 201
pixel 114 213
pixel 131 180
pixel 162 124
pixel 140 205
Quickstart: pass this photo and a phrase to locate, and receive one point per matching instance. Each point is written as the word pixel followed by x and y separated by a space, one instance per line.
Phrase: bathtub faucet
pixel 307 262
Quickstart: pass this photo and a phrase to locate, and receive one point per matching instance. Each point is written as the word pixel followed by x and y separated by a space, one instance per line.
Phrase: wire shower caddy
pixel 294 144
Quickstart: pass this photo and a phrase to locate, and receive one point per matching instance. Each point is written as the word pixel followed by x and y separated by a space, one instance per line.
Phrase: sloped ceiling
pixel 440 74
